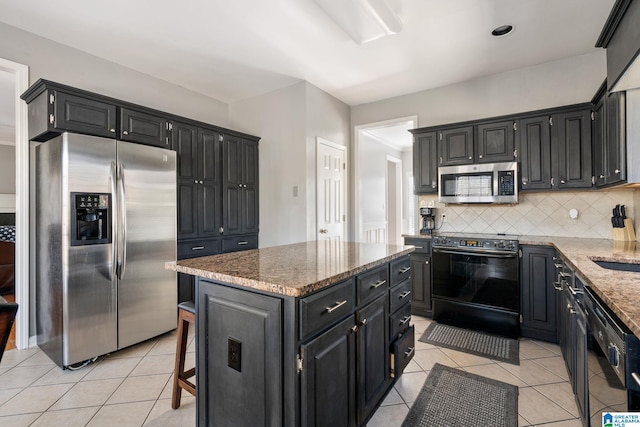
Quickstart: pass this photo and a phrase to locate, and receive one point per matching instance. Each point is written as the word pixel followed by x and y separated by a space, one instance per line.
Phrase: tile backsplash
pixel 543 214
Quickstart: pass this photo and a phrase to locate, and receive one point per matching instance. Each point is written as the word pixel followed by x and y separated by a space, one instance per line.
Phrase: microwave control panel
pixel 506 183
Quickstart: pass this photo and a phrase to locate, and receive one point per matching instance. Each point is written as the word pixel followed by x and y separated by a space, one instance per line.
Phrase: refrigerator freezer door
pixel 89 291
pixel 147 292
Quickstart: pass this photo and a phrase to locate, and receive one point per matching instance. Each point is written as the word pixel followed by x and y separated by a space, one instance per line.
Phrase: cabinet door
pixel 209 182
pixel 239 357
pixel 185 142
pixel 615 140
pixel 567 343
pixel 143 128
pixel 538 303
pixel 374 376
pixel 581 370
pixel 535 153
pixel 84 115
pixel 421 284
pixel 187 199
pixel 328 378
pixel 232 184
pixel 573 139
pixel 455 146
pixel 425 163
pixel 496 142
pixel 598 137
pixel 249 205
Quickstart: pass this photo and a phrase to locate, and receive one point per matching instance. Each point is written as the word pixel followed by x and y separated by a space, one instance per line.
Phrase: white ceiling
pixel 231 50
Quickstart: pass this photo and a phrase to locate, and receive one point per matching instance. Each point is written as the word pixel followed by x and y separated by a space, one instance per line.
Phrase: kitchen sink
pixel 619 266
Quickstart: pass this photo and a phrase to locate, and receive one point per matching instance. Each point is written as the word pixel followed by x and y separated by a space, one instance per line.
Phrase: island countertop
pixel 293 270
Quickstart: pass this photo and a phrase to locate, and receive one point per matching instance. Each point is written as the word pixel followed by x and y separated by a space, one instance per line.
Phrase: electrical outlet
pixel 444 218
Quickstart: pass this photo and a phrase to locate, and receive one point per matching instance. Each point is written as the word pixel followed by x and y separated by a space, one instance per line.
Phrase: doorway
pixel 14 78
pixel 383 155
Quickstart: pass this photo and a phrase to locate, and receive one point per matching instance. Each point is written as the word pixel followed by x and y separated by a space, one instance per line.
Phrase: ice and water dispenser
pixel 90 218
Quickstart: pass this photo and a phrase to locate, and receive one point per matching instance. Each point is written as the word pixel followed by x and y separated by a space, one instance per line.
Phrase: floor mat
pixel 451 397
pixel 478 343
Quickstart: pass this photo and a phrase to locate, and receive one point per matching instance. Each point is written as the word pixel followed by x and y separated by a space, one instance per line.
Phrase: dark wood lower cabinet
pixel 373 355
pixel 538 295
pixel 328 380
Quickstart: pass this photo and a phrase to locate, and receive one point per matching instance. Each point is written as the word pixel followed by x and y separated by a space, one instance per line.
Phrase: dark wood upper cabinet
pixel 144 128
pixel 616 138
pixel 572 131
pixel 496 142
pixel 455 146
pixel 240 185
pixel 425 163
pixel 535 153
pixel 598 136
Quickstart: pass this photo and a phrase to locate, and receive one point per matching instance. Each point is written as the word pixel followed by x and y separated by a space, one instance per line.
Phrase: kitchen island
pixel 311 333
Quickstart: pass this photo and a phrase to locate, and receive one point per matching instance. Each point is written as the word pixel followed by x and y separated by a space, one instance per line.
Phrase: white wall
pixel 54 61
pixel 279 119
pixel 563 82
pixel 7 169
pixel 328 118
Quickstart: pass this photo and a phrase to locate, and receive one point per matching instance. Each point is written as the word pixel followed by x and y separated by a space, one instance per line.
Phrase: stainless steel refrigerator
pixel 105 227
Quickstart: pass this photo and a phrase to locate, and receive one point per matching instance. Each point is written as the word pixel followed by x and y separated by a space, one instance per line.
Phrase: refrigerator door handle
pixel 122 227
pixel 114 222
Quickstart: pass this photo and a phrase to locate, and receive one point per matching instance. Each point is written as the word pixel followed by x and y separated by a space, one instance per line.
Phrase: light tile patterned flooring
pixel 132 387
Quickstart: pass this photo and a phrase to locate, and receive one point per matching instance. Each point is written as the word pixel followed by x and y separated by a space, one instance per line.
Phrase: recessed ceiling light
pixel 502 30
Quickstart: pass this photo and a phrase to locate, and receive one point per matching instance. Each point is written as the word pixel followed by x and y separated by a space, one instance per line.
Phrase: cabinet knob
pixel 426 262
pixel 616 171
pixel 201 182
pixel 562 181
pixel 601 176
pixel 363 322
pixel 124 132
pixel 471 158
pixel 195 181
pixel 240 185
pixel 480 156
pixel 112 130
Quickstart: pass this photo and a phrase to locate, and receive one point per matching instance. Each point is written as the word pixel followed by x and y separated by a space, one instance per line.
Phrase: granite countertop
pixel 620 290
pixel 294 270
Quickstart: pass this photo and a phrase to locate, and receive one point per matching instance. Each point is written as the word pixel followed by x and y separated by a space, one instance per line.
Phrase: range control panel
pixel 487 244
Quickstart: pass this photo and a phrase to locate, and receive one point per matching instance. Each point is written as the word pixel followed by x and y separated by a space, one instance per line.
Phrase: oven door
pixel 477 278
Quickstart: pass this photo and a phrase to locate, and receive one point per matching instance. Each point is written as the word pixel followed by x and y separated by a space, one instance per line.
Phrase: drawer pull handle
pixel 419 247
pixel 557 286
pixel 563 274
pixel 243 243
pixel 404 270
pixel 377 285
pixel 409 352
pixel 404 294
pixel 336 306
pixel 405 320
pixel 197 248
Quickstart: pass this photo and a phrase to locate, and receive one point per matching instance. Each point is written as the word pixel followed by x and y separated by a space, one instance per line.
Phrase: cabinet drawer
pixel 400 295
pixel 239 243
pixel 373 283
pixel 399 321
pixel 320 310
pixel 422 245
pixel 196 248
pixel 400 270
pixel 404 349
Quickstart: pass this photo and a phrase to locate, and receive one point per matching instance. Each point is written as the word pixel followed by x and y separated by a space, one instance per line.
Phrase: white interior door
pixel 331 195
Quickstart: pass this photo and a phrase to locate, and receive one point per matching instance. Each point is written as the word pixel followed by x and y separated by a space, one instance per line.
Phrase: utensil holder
pixel 626 233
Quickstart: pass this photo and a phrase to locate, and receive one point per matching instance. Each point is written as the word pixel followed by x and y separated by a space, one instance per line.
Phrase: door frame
pixel 399 195
pixel 356 213
pixel 345 184
pixel 21 83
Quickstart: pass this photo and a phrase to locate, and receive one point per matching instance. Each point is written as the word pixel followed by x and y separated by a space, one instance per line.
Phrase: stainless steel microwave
pixel 481 183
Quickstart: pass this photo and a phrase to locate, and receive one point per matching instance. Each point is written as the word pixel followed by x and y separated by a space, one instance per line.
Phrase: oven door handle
pixel 478 253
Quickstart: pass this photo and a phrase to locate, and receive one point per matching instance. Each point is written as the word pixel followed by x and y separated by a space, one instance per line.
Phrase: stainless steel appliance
pixel 613 362
pixel 479 183
pixel 105 226
pixel 428 220
pixel 475 282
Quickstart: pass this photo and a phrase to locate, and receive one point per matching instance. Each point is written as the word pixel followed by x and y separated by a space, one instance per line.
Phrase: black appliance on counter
pixel 476 282
pixel 428 220
pixel 613 362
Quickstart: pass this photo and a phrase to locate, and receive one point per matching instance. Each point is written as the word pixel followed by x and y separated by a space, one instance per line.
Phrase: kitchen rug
pixel 473 342
pixel 451 397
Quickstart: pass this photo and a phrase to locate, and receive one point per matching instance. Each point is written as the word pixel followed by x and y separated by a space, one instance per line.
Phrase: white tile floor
pixel 133 387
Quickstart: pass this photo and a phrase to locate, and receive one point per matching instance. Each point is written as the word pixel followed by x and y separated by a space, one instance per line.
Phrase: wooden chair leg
pixel 181 350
